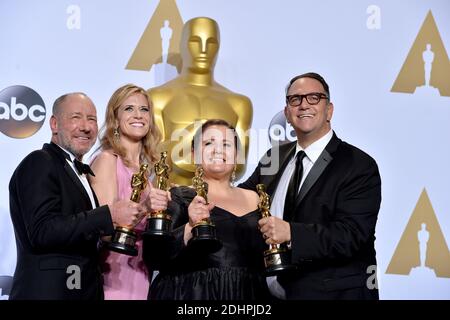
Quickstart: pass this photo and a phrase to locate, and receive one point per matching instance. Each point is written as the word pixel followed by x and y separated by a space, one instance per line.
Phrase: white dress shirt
pixel 83 179
pixel 312 152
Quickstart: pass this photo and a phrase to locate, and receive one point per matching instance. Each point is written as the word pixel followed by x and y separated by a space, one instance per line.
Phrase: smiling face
pixel 218 151
pixel 311 122
pixel 133 117
pixel 74 126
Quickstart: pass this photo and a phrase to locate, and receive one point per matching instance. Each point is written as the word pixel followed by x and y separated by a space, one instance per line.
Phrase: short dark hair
pixel 311 75
pixel 210 123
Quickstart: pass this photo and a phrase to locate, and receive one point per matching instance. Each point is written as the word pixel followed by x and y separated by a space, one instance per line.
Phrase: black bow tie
pixel 82 167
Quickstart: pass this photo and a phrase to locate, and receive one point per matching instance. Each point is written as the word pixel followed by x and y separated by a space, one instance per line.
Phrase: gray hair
pixel 59 101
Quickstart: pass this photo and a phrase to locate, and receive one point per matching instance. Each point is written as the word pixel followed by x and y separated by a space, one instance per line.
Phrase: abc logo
pixel 280 131
pixel 22 112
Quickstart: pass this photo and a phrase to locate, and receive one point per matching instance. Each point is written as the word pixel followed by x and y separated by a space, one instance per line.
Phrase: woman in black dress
pixel 235 271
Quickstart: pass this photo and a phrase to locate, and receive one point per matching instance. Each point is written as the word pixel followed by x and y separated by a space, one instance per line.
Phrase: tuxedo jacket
pixel 56 230
pixel 332 222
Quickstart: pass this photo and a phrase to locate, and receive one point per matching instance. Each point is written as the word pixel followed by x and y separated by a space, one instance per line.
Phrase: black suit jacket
pixel 55 227
pixel 332 223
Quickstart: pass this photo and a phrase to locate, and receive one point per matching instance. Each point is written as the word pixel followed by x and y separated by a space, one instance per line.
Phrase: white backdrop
pixel 54 47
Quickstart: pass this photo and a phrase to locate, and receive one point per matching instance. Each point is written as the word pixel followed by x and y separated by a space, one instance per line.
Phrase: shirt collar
pixel 72 157
pixel 314 150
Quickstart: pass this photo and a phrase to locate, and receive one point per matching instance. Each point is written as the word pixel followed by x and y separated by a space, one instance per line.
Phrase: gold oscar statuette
pixel 124 238
pixel 204 235
pixel 277 258
pixel 182 104
pixel 159 223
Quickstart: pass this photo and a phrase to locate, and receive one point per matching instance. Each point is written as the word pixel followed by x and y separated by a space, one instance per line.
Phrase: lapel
pixel 282 156
pixel 318 168
pixel 61 156
pixel 97 204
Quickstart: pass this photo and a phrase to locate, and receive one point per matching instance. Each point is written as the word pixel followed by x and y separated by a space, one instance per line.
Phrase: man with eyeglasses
pixel 325 197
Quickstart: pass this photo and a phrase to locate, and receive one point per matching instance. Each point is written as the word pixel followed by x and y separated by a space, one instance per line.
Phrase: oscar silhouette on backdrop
pixel 427 57
pixel 423 236
pixel 166 35
pixel 193 97
pixel 165 71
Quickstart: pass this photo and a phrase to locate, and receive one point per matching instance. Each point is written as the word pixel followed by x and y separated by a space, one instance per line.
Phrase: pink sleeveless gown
pixel 125 277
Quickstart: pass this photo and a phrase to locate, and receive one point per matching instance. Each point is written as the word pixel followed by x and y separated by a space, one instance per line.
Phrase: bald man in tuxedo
pixel 56 216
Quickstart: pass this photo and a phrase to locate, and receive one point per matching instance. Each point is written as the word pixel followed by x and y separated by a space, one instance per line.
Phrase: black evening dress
pixel 234 272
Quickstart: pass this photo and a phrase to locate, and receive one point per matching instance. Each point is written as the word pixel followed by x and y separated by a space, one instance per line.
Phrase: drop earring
pixel 116 133
pixel 233 177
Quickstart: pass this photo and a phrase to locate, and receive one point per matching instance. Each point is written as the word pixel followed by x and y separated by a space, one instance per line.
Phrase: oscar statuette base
pixel 204 238
pixel 159 227
pixel 277 260
pixel 123 241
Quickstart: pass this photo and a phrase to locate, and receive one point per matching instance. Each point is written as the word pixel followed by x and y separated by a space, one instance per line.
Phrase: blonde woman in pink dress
pixel 129 139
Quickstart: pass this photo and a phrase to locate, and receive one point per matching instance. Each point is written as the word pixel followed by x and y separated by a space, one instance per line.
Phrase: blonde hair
pixel 149 142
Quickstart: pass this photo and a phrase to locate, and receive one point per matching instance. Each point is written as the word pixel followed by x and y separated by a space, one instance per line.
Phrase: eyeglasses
pixel 313 98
